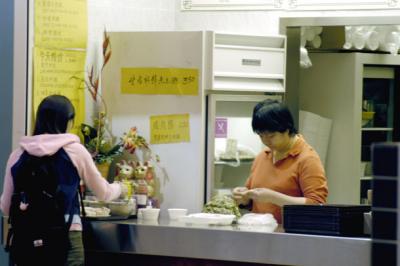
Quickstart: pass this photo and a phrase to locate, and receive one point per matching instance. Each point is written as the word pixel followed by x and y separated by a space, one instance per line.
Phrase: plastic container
pixel 176 214
pixel 150 214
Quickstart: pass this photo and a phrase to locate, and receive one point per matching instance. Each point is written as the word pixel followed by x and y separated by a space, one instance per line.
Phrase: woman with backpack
pixel 53 162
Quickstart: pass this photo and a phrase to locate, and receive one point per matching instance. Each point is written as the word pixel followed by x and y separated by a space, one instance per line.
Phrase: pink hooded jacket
pixel 48 144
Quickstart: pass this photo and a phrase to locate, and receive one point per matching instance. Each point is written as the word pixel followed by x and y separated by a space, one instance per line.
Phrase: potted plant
pixel 101 146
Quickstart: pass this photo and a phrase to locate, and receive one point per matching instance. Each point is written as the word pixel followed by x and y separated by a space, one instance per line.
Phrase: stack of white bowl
pixel 382 38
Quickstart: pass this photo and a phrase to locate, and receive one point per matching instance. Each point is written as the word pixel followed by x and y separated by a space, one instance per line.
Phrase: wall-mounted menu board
pixel 59 72
pixel 60 34
pixel 60 23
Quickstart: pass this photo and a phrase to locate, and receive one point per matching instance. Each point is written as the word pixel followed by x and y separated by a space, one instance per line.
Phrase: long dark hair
pixel 272 116
pixel 53 115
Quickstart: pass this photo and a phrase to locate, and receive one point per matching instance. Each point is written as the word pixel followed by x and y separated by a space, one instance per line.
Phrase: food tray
pixel 108 218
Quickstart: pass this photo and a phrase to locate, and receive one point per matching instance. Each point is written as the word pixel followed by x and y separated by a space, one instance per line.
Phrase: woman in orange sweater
pixel 288 171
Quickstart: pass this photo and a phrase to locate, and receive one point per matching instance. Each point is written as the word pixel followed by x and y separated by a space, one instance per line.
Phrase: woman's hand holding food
pixel 269 195
pixel 239 194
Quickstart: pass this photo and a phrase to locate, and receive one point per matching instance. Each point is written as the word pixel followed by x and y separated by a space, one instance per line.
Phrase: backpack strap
pixel 81 200
pixel 10 233
pixel 70 218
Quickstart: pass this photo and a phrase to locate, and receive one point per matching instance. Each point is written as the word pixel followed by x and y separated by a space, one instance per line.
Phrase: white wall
pixel 128 15
pixel 254 22
pixel 124 15
pixel 247 22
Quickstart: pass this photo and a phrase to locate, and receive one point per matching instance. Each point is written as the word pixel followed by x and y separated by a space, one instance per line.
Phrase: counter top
pixel 227 243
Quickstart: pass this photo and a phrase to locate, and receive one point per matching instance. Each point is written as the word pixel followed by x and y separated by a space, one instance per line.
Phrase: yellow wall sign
pixel 181 81
pixel 61 23
pixel 169 128
pixel 60 72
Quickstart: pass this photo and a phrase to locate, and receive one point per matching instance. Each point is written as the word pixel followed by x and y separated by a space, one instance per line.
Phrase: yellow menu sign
pixel 61 23
pixel 169 128
pixel 181 81
pixel 60 72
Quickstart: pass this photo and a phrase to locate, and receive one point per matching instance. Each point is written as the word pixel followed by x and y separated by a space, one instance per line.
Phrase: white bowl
pixel 175 214
pixel 150 214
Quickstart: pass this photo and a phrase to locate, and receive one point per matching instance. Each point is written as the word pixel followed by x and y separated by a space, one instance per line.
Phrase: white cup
pixel 175 214
pixel 150 214
pixel 139 214
pixel 372 42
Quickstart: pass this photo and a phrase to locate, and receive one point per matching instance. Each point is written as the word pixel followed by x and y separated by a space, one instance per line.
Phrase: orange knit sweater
pixel 300 174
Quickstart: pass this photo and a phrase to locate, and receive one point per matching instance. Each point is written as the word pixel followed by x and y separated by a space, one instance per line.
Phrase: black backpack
pixel 38 232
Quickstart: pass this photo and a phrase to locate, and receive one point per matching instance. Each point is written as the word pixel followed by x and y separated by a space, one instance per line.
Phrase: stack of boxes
pixel 385 204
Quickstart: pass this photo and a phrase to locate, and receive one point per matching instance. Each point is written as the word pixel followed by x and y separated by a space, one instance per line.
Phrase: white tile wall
pixel 253 22
pixel 164 15
pixel 129 15
pixel 247 22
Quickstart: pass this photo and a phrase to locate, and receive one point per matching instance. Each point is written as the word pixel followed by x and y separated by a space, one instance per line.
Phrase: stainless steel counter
pixel 227 243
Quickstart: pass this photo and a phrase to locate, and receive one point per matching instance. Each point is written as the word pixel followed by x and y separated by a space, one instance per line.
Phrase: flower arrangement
pixel 97 138
pixel 132 140
pixel 102 148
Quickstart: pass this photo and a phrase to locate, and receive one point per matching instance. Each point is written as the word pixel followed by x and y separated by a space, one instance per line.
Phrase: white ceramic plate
pixel 208 218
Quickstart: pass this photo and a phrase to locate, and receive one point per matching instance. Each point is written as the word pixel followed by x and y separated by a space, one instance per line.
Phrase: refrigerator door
pixel 231 143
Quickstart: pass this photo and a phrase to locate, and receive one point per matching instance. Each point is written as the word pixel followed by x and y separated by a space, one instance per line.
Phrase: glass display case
pixel 231 143
pixel 378 116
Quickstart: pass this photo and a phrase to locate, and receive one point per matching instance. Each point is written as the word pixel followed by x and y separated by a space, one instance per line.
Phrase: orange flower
pixel 131 140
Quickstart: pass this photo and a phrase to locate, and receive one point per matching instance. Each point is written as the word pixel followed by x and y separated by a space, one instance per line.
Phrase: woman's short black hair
pixel 272 116
pixel 53 115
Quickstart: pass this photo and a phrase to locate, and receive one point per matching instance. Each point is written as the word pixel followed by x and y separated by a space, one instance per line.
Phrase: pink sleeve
pixel 91 176
pixel 8 186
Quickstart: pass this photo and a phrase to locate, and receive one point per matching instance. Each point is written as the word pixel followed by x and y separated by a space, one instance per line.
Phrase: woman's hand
pixel 261 194
pixel 274 197
pixel 124 189
pixel 240 195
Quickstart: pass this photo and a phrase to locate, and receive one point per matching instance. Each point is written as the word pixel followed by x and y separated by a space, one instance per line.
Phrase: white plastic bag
pixel 258 222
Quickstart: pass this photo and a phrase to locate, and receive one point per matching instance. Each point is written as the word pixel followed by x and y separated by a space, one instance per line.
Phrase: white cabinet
pixel 337 86
pixel 247 63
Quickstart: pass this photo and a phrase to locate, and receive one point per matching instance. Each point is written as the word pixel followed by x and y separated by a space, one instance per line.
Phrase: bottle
pixel 141 194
